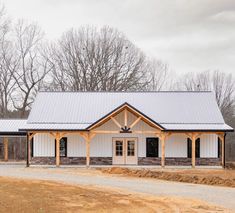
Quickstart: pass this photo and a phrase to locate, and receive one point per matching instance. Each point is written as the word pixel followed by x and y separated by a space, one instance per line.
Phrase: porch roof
pixel 167 127
pixel 197 127
pixel 11 126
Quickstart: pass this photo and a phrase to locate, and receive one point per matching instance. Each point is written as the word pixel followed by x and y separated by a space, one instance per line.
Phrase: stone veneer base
pixel 141 161
pixel 71 161
pixel 179 161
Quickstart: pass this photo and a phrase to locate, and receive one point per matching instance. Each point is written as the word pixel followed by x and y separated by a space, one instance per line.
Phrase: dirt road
pixel 222 196
pixel 47 196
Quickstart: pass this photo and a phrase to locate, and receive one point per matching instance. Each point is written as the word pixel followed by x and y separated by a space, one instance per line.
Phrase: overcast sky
pixel 190 35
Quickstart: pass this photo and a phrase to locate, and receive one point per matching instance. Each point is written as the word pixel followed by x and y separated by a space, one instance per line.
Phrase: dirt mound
pixel 202 177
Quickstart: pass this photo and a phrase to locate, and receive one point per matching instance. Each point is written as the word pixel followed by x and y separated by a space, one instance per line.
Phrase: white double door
pixel 125 151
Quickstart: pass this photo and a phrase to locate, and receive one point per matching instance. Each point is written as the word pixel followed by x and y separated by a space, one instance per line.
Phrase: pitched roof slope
pixel 11 126
pixel 166 108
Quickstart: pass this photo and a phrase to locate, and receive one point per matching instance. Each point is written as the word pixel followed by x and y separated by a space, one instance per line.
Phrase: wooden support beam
pixel 84 135
pixel 116 132
pixel 222 147
pixel 88 137
pixel 135 122
pixel 31 135
pixel 58 137
pixel 193 151
pixel 88 152
pixel 163 139
pixel 27 151
pixel 103 132
pixel 116 122
pixel 125 117
pixel 5 142
pixel 145 132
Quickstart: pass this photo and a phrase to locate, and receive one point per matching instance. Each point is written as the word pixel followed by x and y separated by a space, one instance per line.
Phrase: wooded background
pixel 92 59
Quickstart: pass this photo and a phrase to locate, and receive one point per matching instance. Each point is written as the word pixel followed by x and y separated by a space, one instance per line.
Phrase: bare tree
pixel 221 83
pixel 195 82
pixel 7 64
pixel 98 60
pixel 224 87
pixel 31 68
pixel 159 76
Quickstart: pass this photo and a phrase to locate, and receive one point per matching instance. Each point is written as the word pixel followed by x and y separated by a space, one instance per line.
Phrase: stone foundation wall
pixel 141 161
pixel 42 161
pixel 179 161
pixel 101 161
pixel 209 161
pixel 71 161
pixel 149 161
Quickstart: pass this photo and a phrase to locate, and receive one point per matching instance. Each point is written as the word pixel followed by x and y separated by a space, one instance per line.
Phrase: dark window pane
pixel 32 147
pixel 130 148
pixel 119 148
pixel 152 147
pixel 219 141
pixel 198 148
pixel 189 141
pixel 63 147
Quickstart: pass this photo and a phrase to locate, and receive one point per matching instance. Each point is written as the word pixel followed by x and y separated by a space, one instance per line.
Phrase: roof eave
pixel 198 130
pixel 41 130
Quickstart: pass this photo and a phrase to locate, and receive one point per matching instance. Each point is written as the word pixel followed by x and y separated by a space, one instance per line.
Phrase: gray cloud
pixel 190 35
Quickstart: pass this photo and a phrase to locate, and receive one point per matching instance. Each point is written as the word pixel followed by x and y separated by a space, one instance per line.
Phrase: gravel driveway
pixel 220 196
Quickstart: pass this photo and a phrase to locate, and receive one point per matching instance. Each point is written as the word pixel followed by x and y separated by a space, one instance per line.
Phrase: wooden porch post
pixel 28 147
pixel 193 151
pixel 222 141
pixel 87 136
pixel 57 138
pixel 88 151
pixel 222 146
pixel 5 142
pixel 27 150
pixel 163 138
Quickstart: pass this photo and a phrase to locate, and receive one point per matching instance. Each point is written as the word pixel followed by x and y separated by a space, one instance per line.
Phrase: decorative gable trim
pixel 125 129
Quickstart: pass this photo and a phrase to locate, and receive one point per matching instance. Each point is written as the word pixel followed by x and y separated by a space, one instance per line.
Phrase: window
pixel 32 147
pixel 63 147
pixel 219 141
pixel 152 147
pixel 130 148
pixel 190 148
pixel 119 148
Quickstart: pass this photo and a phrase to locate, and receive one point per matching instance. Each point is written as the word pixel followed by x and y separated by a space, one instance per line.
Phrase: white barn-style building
pixel 123 128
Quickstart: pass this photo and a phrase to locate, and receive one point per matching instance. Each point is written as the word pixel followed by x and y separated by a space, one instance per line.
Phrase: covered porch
pixel 162 160
pixel 125 134
pixel 13 142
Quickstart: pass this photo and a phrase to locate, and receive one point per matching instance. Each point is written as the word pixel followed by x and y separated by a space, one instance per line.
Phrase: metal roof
pixel 173 110
pixel 11 126
pixel 198 127
pixel 53 126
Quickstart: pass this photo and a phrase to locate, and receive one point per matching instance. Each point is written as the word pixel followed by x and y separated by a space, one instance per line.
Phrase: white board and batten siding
pixel 209 146
pixel 101 144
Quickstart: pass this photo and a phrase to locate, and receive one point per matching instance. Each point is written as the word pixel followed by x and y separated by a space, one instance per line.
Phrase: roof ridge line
pixel 164 91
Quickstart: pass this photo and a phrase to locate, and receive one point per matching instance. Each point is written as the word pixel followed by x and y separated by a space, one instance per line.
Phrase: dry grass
pixel 43 196
pixel 203 176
